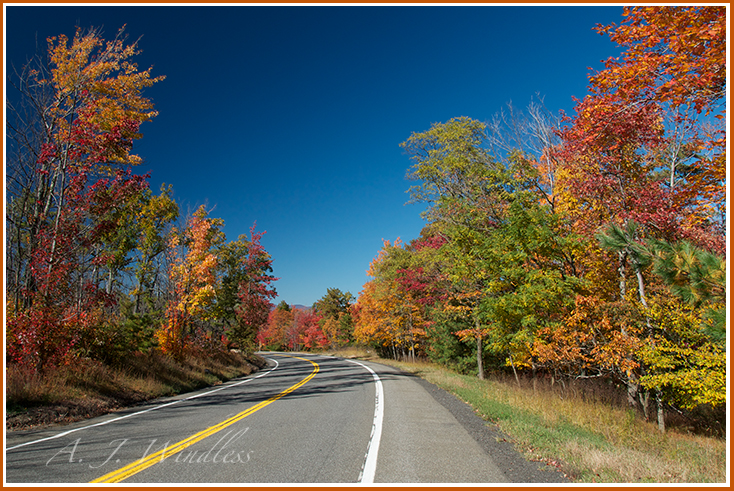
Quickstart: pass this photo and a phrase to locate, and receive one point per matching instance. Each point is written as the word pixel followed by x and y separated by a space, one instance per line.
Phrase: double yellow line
pixel 154 458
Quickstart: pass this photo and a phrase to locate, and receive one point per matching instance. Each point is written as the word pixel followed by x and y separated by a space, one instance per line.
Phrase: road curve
pixel 305 419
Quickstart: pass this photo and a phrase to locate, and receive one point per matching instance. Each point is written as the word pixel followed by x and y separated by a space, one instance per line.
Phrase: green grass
pixel 590 441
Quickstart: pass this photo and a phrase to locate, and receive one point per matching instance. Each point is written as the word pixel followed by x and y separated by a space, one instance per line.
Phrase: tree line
pixel 97 264
pixel 585 246
pixel 328 324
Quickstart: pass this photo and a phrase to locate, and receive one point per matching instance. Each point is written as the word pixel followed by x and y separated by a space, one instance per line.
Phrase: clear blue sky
pixel 292 116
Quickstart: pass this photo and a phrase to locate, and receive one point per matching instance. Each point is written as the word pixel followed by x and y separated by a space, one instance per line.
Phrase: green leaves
pixel 698 277
pixel 450 162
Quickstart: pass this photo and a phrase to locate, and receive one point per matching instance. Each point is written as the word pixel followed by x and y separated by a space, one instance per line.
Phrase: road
pixel 304 419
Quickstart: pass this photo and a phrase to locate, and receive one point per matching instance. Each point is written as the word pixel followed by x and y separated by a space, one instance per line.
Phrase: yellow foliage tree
pixel 192 276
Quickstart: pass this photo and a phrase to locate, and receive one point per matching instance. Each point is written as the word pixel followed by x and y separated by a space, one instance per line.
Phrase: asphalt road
pixel 305 419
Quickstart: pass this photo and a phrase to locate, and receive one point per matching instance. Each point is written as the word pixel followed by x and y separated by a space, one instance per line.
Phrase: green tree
pixel 696 276
pixel 335 309
pixel 233 272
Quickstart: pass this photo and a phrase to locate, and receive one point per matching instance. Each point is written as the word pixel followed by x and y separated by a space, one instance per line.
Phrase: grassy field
pixel 89 388
pixel 590 441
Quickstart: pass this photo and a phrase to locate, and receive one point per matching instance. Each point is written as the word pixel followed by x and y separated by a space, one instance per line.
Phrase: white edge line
pixel 59 435
pixel 367 476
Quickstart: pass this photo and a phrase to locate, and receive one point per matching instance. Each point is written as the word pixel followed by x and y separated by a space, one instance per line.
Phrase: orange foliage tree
pixel 193 279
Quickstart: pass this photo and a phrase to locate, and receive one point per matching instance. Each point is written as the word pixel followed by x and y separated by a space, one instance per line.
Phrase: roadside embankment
pixel 89 388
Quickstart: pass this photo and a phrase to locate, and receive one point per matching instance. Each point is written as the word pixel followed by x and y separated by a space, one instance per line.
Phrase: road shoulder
pixel 506 463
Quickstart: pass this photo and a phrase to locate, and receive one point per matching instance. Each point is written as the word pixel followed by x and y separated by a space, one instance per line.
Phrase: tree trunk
pixel 661 411
pixel 512 364
pixel 110 277
pixel 632 389
pixel 622 275
pixel 480 362
pixel 645 402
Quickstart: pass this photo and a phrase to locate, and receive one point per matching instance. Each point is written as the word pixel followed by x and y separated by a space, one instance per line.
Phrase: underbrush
pixel 585 432
pixel 87 388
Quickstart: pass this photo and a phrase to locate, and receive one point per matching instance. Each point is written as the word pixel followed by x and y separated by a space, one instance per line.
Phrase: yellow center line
pixel 154 458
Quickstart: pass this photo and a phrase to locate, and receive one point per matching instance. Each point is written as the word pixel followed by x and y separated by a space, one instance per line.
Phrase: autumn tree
pixel 73 118
pixel 682 362
pixel 652 128
pixel 273 334
pixel 309 327
pixel 151 223
pixel 391 314
pixel 642 163
pixel 193 278
pixel 248 289
pixel 71 126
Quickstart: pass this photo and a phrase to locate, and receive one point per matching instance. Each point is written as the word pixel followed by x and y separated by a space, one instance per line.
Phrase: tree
pixel 673 54
pixel 647 107
pixel 642 161
pixel 274 333
pixel 624 241
pixel 151 219
pixel 232 264
pixel 451 163
pixel 309 327
pixel 682 361
pixel 70 131
pixel 254 292
pixel 506 238
pixel 696 276
pixel 334 308
pixel 193 276
pixel 74 120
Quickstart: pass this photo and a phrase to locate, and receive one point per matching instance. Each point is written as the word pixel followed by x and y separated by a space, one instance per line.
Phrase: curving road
pixel 305 419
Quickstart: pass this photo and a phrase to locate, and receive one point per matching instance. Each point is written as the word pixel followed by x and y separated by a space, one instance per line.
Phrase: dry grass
pixel 351 352
pixel 593 440
pixel 90 388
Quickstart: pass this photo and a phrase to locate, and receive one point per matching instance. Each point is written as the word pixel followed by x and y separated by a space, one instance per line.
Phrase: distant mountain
pixel 293 307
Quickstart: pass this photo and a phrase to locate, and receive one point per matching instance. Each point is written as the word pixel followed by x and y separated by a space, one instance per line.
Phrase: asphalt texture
pixel 305 419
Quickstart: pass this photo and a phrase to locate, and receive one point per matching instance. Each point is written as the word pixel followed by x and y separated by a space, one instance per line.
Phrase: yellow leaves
pixel 470 334
pixel 681 358
pixel 193 272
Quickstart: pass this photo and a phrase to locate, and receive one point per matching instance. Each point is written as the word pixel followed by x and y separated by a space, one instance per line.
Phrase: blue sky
pixel 292 116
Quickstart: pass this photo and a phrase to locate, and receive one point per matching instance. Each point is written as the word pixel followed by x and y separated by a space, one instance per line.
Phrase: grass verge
pixel 90 388
pixel 589 441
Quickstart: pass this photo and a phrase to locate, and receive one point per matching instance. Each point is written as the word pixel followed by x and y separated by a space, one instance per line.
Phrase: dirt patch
pixel 64 413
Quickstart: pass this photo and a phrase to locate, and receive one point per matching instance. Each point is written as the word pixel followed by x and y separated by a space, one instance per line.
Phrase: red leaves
pixel 255 293
pixel 634 149
pixel 313 336
pixel 63 296
pixel 432 242
pixel 426 288
pixel 649 103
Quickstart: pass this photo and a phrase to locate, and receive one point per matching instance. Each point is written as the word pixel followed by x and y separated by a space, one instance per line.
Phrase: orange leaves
pixel 598 338
pixel 193 276
pixel 674 54
pixel 649 143
pixel 97 107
